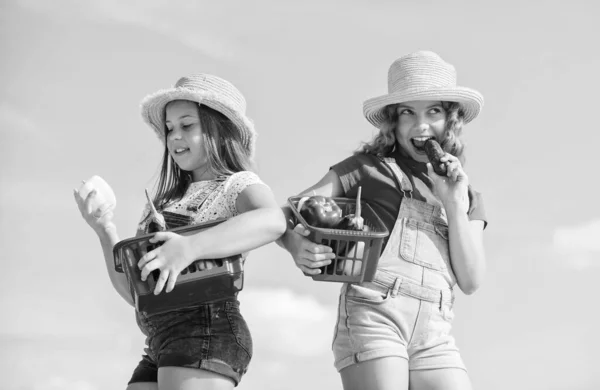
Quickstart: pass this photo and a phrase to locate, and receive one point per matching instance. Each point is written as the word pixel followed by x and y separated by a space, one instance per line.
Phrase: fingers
pixel 88 201
pixel 453 170
pixel 148 268
pixel 145 260
pixel 162 236
pixel 456 172
pixel 448 158
pixel 85 205
pixel 309 271
pixel 162 280
pixel 205 265
pixel 171 282
pixel 80 202
pixel 317 264
pixel 314 263
pixel 105 208
pixel 319 249
pixel 300 229
pixel 77 196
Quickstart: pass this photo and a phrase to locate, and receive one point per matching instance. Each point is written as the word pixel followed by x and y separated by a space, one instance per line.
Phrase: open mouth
pixel 180 151
pixel 419 143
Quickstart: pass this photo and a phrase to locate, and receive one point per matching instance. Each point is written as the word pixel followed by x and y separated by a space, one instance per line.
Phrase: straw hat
pixel 205 89
pixel 423 75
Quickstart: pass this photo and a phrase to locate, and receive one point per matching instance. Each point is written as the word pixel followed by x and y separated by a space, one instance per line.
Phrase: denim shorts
pixel 395 318
pixel 212 337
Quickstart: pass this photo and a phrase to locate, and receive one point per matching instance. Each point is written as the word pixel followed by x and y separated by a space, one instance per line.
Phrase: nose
pixel 175 134
pixel 422 123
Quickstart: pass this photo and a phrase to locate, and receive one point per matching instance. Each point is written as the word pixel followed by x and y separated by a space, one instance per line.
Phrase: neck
pixel 202 174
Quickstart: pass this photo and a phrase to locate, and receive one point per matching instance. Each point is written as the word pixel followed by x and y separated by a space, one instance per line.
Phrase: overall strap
pixel 400 177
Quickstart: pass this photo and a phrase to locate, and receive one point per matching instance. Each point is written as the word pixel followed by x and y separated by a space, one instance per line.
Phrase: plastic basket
pixel 357 252
pixel 193 287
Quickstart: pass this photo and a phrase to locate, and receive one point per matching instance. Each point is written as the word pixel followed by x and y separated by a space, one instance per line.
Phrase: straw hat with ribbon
pixel 205 89
pixel 422 75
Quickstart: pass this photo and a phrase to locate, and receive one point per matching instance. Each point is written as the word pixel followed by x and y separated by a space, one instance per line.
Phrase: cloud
pixel 181 20
pixel 288 323
pixel 579 246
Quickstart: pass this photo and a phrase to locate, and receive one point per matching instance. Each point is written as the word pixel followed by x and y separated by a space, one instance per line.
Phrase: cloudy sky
pixel 73 73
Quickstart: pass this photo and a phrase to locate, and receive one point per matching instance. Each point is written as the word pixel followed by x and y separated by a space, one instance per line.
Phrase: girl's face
pixel 417 122
pixel 184 137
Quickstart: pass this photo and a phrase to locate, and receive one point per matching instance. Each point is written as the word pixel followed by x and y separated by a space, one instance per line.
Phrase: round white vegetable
pixel 105 197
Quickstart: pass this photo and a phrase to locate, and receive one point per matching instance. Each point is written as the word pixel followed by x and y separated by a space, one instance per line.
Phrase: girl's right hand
pixel 307 255
pixel 100 219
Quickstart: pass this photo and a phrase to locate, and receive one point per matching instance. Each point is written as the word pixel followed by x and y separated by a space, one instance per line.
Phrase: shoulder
pixel 240 180
pixel 357 163
pixel 360 169
pixel 357 159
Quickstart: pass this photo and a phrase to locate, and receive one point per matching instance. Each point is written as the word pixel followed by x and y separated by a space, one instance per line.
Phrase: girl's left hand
pixel 170 258
pixel 452 189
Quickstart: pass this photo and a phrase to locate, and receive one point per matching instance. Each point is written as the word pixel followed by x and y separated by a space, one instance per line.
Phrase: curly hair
pixel 385 141
pixel 222 144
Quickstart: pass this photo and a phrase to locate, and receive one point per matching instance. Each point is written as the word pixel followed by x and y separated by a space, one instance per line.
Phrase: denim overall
pixel 406 311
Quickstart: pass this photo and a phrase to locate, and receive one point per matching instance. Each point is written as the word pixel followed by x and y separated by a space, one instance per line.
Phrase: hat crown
pixel 420 70
pixel 213 84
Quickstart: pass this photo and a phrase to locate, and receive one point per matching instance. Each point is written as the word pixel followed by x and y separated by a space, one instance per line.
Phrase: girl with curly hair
pixel 394 332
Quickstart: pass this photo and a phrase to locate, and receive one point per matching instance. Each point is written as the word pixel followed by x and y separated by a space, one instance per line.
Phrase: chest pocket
pixel 425 244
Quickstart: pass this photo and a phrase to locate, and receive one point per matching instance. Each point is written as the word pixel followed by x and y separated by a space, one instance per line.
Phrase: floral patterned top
pixel 204 201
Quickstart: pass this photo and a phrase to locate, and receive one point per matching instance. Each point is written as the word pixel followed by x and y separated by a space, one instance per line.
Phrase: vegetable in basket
pixel 356 222
pixel 320 211
pixel 324 212
pixel 353 221
pixel 157 221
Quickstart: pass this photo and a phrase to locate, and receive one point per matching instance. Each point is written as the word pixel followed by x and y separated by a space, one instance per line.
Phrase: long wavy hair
pixel 385 141
pixel 222 144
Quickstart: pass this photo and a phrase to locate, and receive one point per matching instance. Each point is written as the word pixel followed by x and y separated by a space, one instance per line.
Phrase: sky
pixel 72 76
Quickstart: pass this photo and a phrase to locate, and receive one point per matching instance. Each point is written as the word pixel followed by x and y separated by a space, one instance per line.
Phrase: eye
pixel 169 129
pixel 405 111
pixel 436 110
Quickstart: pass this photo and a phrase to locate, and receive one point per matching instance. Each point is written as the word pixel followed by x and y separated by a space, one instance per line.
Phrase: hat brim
pixel 153 109
pixel 470 100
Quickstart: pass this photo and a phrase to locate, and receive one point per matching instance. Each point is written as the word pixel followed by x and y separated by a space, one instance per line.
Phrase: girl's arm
pixel 107 233
pixel 260 222
pixel 307 255
pixel 466 248
pixel 108 239
pixel 465 237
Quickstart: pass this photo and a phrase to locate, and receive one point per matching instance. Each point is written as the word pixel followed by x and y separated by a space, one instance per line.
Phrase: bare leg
pixel 389 373
pixel 143 386
pixel 440 379
pixel 183 378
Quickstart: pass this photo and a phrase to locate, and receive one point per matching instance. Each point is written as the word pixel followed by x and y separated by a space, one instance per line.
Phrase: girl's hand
pixel 100 219
pixel 307 255
pixel 170 258
pixel 452 189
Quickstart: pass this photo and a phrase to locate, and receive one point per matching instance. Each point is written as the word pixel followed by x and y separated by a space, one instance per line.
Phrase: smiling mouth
pixel 419 143
pixel 180 151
